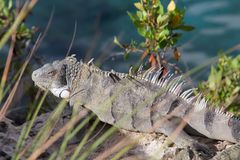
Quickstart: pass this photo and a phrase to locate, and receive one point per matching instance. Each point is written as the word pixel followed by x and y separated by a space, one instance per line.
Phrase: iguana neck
pixel 89 80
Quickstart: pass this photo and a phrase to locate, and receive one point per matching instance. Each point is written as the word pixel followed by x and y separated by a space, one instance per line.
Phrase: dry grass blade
pixel 8 86
pixel 73 38
pixel 123 151
pixel 39 40
pixel 56 136
pixel 121 144
pixel 28 6
pixel 84 140
pixel 53 156
pixel 13 91
pixel 7 66
pixel 69 135
pixel 46 130
pixel 94 41
pixel 26 129
pixel 99 141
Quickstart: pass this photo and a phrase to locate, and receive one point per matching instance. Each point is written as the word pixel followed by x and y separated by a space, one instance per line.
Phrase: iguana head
pixel 53 77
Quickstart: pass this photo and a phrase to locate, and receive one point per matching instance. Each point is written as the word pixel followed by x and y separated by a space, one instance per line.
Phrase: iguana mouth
pixel 42 85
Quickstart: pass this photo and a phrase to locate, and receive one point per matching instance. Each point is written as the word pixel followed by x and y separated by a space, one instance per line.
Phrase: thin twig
pixel 95 40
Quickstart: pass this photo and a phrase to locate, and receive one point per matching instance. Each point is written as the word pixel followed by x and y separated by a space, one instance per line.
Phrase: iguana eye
pixel 52 73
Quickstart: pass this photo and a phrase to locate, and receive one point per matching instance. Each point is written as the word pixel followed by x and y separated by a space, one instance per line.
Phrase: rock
pixel 143 145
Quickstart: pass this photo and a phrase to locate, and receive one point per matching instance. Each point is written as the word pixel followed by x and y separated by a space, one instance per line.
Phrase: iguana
pixel 145 102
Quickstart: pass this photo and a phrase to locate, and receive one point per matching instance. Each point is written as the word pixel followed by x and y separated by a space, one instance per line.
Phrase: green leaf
pixel 156 48
pixel 185 28
pixel 214 78
pixel 144 15
pixel 126 55
pixel 139 6
pixel 161 18
pixel 2 4
pixel 142 44
pixel 235 63
pixel 236 90
pixel 162 35
pixel 133 17
pixel 149 34
pixel 10 3
pixel 163 44
pixel 156 3
pixel 228 81
pixel 116 41
pixel 139 14
pixel 161 9
pixel 142 31
pixel 6 11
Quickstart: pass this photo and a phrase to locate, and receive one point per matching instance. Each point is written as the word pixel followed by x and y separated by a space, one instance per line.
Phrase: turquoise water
pixel 217 25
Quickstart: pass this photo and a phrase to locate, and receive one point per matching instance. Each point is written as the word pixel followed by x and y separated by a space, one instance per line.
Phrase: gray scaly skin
pixel 142 102
pixel 232 153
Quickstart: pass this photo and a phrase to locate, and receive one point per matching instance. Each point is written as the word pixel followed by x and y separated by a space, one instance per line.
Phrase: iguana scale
pixel 141 102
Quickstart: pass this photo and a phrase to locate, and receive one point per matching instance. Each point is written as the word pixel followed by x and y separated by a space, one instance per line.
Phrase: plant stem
pixel 28 6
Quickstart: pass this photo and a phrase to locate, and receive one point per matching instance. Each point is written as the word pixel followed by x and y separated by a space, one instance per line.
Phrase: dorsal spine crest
pixel 152 75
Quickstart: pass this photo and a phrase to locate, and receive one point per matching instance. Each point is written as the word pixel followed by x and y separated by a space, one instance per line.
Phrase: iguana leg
pixel 182 139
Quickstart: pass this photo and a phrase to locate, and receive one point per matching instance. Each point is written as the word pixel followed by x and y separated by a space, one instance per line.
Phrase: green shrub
pixel 223 85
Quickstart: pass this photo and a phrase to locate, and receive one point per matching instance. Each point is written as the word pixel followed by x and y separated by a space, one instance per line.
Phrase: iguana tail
pixel 214 123
pixel 194 109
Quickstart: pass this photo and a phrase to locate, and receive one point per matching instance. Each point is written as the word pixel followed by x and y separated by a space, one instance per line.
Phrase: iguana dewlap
pixel 140 102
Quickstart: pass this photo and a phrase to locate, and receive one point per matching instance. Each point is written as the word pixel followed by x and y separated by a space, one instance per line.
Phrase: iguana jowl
pixel 136 102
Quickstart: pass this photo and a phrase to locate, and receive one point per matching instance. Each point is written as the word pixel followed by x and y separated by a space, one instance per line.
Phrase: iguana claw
pixel 202 150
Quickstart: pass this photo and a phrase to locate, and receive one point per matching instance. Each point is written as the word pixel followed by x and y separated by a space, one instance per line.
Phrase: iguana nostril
pixel 34 74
